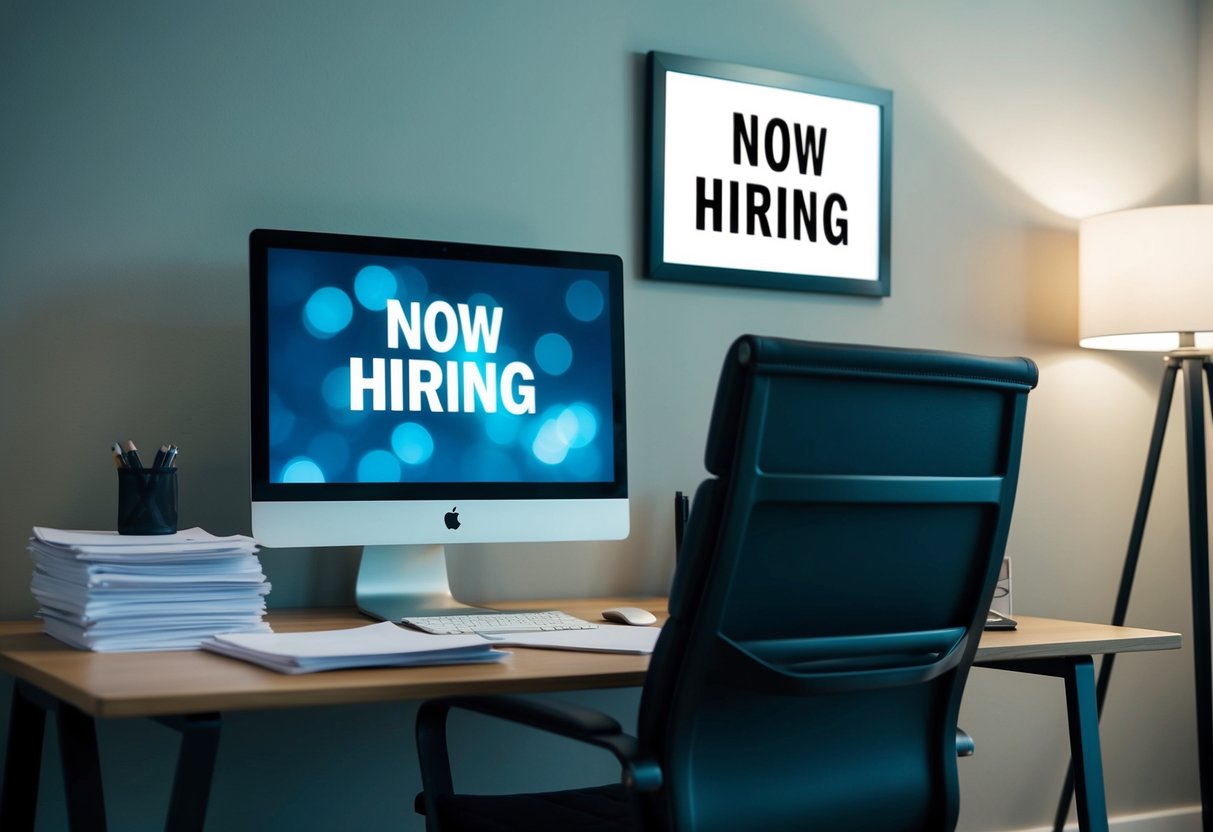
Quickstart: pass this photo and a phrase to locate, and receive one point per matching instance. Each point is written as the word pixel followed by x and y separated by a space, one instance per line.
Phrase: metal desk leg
pixel 78 757
pixel 23 763
pixel 81 769
pixel 195 767
pixel 1079 676
pixel 1078 673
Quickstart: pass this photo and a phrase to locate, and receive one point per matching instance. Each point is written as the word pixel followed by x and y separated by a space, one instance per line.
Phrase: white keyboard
pixel 498 622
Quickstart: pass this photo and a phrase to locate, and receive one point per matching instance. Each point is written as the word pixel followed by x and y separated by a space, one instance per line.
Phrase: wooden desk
pixel 188 690
pixel 165 684
pixel 1064 649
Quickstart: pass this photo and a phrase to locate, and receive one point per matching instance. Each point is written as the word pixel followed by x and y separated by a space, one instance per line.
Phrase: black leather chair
pixel 829 595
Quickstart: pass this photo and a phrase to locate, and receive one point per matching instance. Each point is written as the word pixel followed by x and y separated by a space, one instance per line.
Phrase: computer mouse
pixel 629 615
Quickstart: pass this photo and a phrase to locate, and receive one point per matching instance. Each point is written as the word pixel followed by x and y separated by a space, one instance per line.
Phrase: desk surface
pixel 158 684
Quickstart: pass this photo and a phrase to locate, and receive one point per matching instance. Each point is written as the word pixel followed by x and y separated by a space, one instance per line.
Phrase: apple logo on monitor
pixel 451 518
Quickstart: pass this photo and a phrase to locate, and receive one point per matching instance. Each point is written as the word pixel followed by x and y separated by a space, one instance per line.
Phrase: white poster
pixel 761 178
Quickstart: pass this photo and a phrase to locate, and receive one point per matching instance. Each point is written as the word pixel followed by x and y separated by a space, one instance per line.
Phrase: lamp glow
pixel 1146 279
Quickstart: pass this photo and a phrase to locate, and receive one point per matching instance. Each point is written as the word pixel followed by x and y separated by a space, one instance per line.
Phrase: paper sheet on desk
pixel 606 638
pixel 373 645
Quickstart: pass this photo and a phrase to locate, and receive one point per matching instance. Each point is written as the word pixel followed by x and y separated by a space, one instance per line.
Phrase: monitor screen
pixel 424 392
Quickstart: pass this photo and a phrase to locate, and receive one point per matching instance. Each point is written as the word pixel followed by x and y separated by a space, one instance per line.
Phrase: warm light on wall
pixel 1146 279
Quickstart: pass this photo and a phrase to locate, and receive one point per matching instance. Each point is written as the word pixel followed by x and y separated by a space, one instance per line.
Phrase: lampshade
pixel 1145 277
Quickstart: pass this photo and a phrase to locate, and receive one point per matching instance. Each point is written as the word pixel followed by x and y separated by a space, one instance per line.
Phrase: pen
pixel 132 455
pixel 170 457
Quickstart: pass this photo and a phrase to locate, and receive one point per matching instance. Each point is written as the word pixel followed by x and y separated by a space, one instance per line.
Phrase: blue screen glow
pixel 391 369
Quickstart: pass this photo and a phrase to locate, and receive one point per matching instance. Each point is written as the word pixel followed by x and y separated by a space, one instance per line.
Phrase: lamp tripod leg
pixel 1165 394
pixel 1195 370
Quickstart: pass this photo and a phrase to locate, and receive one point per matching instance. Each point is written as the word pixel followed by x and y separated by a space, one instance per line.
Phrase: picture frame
pixel 763 178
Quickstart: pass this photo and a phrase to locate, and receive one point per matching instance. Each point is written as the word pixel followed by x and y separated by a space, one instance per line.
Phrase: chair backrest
pixel 831 588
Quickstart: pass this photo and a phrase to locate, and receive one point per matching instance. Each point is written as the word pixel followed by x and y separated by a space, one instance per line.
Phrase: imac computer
pixel 409 394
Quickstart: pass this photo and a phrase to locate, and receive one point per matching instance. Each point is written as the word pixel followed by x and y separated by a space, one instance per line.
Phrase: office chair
pixel 828 598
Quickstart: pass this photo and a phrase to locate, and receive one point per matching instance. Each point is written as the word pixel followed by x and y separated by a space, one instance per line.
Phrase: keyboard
pixel 497 622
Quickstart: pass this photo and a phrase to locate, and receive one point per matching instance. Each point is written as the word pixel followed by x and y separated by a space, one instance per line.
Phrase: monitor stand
pixel 406 580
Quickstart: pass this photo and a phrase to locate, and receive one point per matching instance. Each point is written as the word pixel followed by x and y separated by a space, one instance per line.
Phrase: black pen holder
pixel 147 500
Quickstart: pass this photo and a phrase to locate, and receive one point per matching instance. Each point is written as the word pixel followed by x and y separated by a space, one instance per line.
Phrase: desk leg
pixel 1084 743
pixel 78 758
pixel 195 767
pixel 81 769
pixel 22 762
pixel 1078 673
pixel 82 766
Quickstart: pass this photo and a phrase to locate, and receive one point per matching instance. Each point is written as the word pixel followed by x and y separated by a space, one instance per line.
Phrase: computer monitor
pixel 408 394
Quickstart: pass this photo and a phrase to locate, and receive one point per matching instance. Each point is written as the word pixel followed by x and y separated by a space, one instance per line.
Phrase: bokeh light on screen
pixel 578 425
pixel 584 301
pixel 412 443
pixel 327 312
pixel 549 447
pixel 553 353
pixel 413 284
pixel 379 466
pixel 564 429
pixel 335 391
pixel 501 428
pixel 482 299
pixel 302 469
pixel 336 388
pixel 373 285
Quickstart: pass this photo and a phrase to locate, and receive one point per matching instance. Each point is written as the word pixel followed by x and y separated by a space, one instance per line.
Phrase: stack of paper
pixel 375 645
pixel 109 592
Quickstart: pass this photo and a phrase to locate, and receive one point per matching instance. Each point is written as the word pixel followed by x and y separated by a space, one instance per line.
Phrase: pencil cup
pixel 147 500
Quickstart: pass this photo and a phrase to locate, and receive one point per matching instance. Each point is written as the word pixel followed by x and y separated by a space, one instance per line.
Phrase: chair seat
pixel 598 809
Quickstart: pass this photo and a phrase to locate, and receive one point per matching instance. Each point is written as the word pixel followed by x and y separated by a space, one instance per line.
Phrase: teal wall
pixel 140 141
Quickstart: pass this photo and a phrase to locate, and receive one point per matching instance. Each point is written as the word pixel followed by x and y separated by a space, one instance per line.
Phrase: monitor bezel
pixel 262 241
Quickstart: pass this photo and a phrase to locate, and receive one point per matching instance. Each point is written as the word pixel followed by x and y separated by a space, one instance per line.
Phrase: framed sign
pixel 762 178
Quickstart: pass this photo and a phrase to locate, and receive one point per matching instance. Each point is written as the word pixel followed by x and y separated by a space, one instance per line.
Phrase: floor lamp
pixel 1146 283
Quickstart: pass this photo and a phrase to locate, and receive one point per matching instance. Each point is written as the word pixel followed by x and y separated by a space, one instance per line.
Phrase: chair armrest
pixel 563 718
